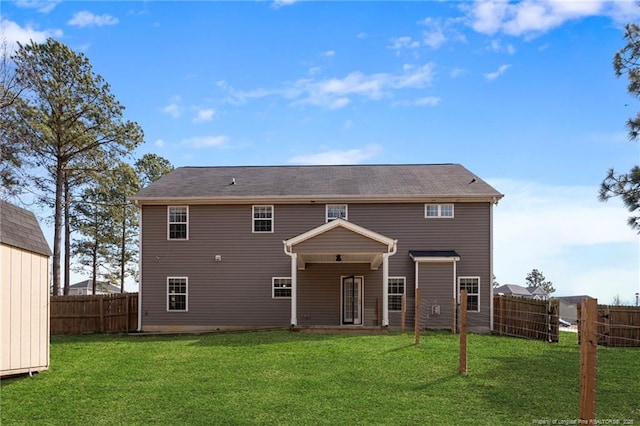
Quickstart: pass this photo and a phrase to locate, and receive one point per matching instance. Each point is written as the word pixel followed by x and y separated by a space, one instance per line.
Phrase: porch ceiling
pixel 375 259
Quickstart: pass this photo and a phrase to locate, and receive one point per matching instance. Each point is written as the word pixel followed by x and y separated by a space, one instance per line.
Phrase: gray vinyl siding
pixel 236 291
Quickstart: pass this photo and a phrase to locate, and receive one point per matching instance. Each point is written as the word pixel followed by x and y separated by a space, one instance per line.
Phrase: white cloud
pixel 159 143
pixel 87 19
pixel 361 35
pixel 580 244
pixel 335 93
pixel 13 33
pixel 499 47
pixel 457 72
pixel 348 156
pixel 426 101
pixel 206 141
pixel 529 18
pixel 40 6
pixel 280 3
pixel 404 42
pixel 330 53
pixel 173 109
pixel 204 114
pixel 493 75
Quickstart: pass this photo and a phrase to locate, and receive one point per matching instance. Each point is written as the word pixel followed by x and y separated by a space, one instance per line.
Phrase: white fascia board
pixel 429 259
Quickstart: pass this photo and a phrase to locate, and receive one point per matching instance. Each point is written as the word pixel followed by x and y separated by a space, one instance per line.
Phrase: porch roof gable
pixel 389 242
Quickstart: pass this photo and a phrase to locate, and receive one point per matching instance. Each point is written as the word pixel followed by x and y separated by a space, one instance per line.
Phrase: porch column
pixel 385 290
pixel 294 289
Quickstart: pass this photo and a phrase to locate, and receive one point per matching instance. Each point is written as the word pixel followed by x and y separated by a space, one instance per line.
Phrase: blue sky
pixel 523 94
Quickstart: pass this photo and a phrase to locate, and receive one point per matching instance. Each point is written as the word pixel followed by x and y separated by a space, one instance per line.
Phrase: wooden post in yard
pixel 588 360
pixel 416 327
pixel 404 311
pixel 463 332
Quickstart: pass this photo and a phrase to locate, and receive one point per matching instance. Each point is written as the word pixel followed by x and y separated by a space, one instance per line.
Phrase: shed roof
pixel 19 228
pixel 350 182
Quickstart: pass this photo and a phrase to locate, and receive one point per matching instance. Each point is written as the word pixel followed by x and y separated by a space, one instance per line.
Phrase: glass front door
pixel 352 300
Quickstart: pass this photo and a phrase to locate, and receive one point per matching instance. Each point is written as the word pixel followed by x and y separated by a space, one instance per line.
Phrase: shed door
pixel 352 300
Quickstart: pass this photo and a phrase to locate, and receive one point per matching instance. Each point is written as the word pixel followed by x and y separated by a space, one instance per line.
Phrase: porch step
pixel 340 329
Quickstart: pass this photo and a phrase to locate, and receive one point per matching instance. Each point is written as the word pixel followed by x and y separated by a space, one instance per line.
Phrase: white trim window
pixel 177 294
pixel 438 210
pixel 178 222
pixel 336 211
pixel 396 291
pixel 281 287
pixel 472 285
pixel 262 219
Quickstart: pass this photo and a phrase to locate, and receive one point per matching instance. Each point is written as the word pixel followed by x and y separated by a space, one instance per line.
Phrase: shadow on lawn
pixel 227 338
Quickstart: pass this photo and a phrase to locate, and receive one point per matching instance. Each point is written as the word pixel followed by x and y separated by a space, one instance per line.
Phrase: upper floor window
pixel 336 211
pixel 281 287
pixel 438 210
pixel 472 285
pixel 262 218
pixel 178 228
pixel 396 290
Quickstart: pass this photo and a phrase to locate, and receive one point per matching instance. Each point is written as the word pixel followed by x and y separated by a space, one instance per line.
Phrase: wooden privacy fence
pixel 108 313
pixel 528 318
pixel 615 325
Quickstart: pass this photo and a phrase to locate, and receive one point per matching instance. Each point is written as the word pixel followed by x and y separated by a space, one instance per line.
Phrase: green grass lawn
pixel 294 378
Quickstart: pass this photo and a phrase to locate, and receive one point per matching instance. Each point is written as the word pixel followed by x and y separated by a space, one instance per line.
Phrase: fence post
pixel 463 332
pixel 416 327
pixel 404 312
pixel 453 315
pixel 101 303
pixel 606 316
pixel 127 325
pixel 588 360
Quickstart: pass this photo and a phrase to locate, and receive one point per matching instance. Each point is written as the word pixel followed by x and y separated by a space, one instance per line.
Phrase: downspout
pixel 139 329
pixel 385 282
pixel 495 201
pixel 294 284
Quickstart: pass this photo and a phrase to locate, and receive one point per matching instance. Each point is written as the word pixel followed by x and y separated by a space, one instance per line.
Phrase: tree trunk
pixel 67 236
pixel 57 229
pixel 94 269
pixel 123 247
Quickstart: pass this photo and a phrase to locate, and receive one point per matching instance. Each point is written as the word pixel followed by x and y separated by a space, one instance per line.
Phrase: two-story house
pixel 264 246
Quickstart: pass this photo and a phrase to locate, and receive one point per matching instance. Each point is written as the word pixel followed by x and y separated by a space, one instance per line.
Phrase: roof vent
pixel 233 181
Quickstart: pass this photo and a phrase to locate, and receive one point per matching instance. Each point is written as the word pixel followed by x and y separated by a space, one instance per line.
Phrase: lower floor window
pixel 177 294
pixel 396 290
pixel 281 287
pixel 472 285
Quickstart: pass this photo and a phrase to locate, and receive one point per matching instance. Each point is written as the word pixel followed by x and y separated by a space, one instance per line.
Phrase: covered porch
pixel 339 276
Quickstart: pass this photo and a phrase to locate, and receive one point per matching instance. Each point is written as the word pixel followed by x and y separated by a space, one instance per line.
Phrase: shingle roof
pixel 353 182
pixel 19 228
pixel 103 286
pixel 513 289
pixel 573 300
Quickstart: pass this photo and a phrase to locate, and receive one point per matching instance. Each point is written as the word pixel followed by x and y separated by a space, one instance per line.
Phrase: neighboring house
pixel 24 292
pixel 85 288
pixel 238 247
pixel 515 290
pixel 537 293
pixel 569 307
